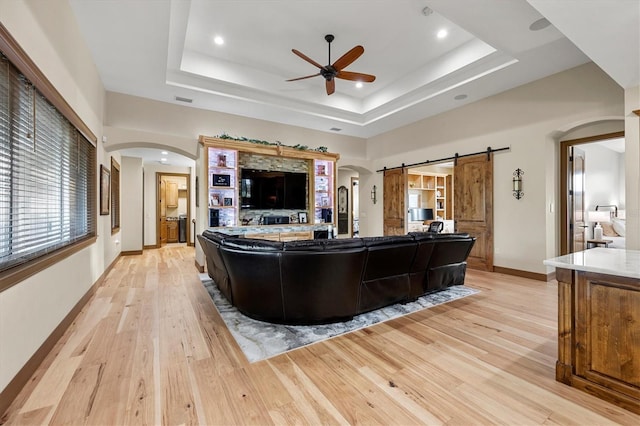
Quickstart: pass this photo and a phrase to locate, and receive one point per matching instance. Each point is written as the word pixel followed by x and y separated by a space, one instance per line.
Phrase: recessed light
pixel 218 40
pixel 164 160
pixel 164 153
pixel 460 97
pixel 540 24
pixel 359 85
pixel 442 34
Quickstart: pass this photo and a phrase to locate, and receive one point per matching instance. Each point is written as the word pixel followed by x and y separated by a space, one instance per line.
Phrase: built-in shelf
pixel 223 157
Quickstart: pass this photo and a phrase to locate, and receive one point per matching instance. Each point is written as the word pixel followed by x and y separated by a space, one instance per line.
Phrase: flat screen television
pixel 265 189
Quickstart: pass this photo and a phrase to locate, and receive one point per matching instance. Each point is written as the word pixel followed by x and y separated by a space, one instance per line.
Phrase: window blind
pixel 47 174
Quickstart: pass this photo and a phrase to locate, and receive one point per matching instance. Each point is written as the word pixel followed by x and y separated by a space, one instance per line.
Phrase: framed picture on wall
pixel 197 192
pixel 105 190
pixel 220 180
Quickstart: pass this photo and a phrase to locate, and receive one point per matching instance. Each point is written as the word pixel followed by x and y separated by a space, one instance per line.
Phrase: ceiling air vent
pixel 181 99
pixel 335 129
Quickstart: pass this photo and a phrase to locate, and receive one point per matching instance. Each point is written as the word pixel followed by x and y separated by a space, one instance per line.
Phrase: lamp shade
pixel 598 216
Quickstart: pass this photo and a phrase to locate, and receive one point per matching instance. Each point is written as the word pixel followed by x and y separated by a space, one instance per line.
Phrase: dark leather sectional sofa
pixel 322 281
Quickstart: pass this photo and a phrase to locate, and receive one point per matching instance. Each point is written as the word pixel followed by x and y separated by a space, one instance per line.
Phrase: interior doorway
pixel 173 208
pixel 431 188
pixel 593 180
pixel 355 207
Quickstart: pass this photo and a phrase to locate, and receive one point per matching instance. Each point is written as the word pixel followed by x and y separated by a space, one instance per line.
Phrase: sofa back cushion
pixel 388 256
pixel 303 245
pixel 451 251
pixel 323 245
pixel 255 282
pixel 251 244
pixel 321 286
pixel 215 266
pixel 386 240
pixel 342 243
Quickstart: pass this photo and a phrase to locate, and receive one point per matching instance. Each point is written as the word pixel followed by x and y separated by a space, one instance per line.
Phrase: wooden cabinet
pixel 172 194
pixel 599 335
pixel 271 236
pixel 431 191
pixel 324 191
pixel 222 177
pixel 172 231
pixel 163 231
pixel 282 236
pixel 294 236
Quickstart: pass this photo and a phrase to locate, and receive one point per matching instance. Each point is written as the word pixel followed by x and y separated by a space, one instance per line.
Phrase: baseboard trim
pixel 130 252
pixel 11 392
pixel 525 274
pixel 199 267
pixel 152 246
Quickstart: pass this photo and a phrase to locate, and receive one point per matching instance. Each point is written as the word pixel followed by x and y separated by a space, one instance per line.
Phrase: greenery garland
pixel 276 143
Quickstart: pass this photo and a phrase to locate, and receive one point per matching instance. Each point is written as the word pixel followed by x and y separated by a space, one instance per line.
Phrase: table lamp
pixel 597 217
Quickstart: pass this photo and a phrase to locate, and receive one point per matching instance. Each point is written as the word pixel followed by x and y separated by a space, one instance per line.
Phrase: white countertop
pixel 618 262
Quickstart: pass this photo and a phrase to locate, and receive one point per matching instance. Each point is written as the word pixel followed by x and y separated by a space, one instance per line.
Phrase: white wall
pixel 33 308
pixel 603 183
pixel 527 119
pixel 131 204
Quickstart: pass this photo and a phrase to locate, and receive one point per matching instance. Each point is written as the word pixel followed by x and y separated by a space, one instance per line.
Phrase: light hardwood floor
pixel 150 348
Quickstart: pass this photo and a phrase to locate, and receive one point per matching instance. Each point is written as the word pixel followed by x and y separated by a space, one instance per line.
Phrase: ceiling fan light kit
pixel 336 70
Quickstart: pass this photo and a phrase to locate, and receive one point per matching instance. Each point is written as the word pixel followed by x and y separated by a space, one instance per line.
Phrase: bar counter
pixel 599 323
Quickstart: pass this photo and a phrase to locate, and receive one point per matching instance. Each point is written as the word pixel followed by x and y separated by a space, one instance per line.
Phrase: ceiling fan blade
pixel 355 76
pixel 348 58
pixel 306 58
pixel 302 78
pixel 331 86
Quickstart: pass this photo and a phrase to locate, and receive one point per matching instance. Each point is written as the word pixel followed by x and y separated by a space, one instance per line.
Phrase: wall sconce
pixel 517 184
pixel 373 194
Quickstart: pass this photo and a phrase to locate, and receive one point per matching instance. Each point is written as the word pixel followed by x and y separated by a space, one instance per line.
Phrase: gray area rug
pixel 261 340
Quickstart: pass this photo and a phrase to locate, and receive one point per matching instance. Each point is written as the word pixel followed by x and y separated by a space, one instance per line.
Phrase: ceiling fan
pixel 331 72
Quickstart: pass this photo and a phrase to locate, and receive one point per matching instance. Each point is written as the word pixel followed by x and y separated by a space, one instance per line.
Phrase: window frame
pixel 18 57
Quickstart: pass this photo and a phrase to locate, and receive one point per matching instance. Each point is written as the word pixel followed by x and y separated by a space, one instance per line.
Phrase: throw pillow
pixel 607 230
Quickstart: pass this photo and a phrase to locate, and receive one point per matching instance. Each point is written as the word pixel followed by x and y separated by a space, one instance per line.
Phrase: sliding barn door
pixel 393 200
pixel 473 201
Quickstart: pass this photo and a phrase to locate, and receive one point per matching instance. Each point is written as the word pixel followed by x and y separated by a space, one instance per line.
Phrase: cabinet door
pixel 172 236
pixel 608 332
pixel 295 236
pixel 273 236
pixel 172 194
pixel 163 231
